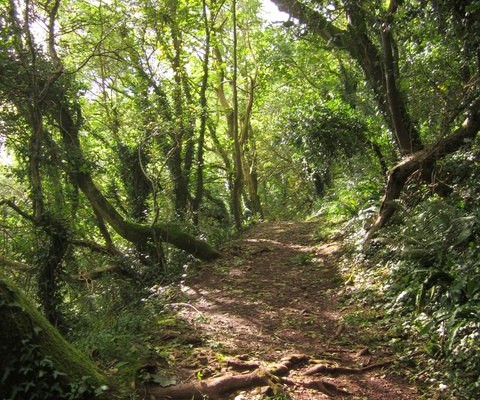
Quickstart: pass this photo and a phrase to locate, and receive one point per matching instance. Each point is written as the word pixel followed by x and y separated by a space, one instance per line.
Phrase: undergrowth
pixel 421 276
pixel 122 336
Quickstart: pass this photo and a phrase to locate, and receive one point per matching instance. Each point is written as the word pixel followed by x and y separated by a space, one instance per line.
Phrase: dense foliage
pixel 423 273
pixel 136 136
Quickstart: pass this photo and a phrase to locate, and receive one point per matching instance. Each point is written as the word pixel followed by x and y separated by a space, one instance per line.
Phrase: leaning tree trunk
pixel 36 361
pixel 137 234
pixel 417 162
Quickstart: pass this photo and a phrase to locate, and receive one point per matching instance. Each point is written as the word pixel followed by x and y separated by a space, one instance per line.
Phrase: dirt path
pixel 275 294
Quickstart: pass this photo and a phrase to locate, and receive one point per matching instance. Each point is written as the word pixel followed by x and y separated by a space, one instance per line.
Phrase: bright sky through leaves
pixel 271 13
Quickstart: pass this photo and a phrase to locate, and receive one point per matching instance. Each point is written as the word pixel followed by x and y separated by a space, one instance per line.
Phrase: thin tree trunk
pixel 197 201
pixel 237 147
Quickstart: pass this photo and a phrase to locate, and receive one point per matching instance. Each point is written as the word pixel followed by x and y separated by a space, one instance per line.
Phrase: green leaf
pixel 121 364
pixel 164 380
pixel 6 373
pixel 426 328
pixel 37 330
pixel 453 334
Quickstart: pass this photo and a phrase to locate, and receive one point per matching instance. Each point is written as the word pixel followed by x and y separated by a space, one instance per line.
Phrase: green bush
pixel 434 269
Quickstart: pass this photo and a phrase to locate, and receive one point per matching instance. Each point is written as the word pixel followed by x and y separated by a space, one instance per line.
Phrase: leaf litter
pixel 276 293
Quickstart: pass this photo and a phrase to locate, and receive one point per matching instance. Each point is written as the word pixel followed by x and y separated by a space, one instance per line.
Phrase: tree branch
pixel 399 175
pixel 19 266
pixel 315 21
pixel 97 248
pixel 18 210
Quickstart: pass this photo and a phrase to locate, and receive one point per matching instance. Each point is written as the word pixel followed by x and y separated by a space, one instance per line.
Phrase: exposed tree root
pixel 319 385
pixel 327 369
pixel 240 366
pixel 211 388
pixel 217 388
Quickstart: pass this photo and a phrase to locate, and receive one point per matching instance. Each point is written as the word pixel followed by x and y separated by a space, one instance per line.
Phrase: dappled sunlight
pixel 267 292
pixel 274 294
pixel 267 177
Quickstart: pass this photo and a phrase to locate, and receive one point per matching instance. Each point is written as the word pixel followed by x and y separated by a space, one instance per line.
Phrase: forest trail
pixel 274 294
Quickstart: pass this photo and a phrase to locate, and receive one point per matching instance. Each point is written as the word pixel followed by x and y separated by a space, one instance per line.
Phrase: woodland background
pixel 137 136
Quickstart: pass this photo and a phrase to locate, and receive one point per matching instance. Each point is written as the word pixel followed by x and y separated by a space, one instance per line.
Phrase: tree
pixel 237 65
pixel 325 134
pixel 368 31
pixel 37 363
pixel 42 98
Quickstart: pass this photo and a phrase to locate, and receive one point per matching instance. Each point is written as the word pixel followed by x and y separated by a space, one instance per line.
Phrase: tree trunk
pixel 133 232
pixel 237 146
pixel 199 188
pixel 49 266
pixel 249 153
pixel 398 175
pixel 37 362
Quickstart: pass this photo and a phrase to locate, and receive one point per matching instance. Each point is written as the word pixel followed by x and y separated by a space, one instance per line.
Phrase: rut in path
pixel 274 294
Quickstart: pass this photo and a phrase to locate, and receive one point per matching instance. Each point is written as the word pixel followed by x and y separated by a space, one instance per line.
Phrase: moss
pixel 167 322
pixel 31 348
pixel 173 234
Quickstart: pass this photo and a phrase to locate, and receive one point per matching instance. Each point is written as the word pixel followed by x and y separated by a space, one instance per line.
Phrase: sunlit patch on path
pixel 274 294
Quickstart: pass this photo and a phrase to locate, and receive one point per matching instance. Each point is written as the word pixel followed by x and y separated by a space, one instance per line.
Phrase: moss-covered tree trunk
pixel 36 362
pixel 134 233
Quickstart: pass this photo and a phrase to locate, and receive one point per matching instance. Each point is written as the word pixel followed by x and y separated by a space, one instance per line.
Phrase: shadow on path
pixel 274 293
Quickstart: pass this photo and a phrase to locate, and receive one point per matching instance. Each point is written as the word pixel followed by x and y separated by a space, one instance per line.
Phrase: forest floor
pixel 278 292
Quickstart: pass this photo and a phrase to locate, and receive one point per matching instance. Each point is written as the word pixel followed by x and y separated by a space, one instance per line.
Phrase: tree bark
pixel 35 357
pixel 133 232
pixel 399 174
